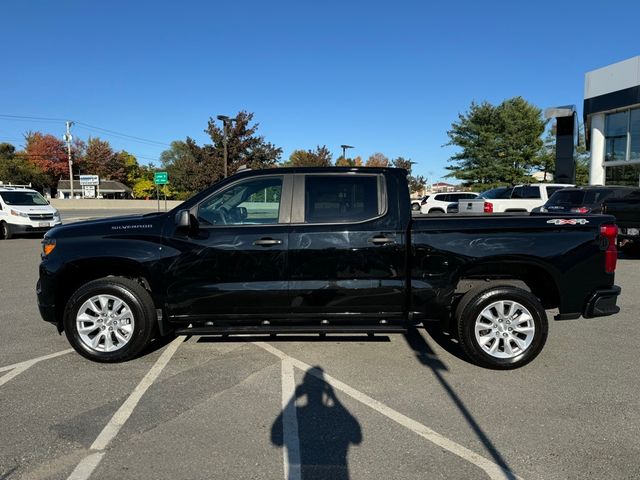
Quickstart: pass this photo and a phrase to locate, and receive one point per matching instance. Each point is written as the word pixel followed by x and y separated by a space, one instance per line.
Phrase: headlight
pixel 19 214
pixel 48 245
pixel 56 214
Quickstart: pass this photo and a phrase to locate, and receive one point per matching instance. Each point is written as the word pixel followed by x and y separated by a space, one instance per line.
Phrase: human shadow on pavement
pixel 425 354
pixel 326 429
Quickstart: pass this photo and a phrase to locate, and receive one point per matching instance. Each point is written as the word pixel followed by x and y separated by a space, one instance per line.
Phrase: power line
pixel 24 117
pixel 85 126
pixel 123 135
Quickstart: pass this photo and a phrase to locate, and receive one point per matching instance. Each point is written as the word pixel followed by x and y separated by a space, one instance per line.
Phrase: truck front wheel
pixel 110 319
pixel 501 327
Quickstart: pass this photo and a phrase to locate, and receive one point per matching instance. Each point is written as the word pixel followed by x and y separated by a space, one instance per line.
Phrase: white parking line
pixel 291 440
pixel 31 361
pixel 111 429
pixel 18 368
pixel 493 470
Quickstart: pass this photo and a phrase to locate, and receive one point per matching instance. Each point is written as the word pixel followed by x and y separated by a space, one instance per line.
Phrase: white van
pixel 23 210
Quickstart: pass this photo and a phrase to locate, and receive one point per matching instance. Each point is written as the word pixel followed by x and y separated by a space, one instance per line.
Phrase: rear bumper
pixel 602 303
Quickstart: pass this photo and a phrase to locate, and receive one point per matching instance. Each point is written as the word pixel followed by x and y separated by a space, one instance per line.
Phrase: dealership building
pixel 612 123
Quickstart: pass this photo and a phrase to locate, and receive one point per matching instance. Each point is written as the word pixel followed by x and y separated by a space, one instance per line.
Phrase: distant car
pixel 416 204
pixel 438 203
pixel 25 211
pixel 583 200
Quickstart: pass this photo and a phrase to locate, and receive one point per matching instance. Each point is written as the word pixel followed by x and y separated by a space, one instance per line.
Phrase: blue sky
pixel 383 76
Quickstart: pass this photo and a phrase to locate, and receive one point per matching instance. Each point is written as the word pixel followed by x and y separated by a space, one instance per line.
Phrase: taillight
pixel 580 210
pixel 488 207
pixel 610 232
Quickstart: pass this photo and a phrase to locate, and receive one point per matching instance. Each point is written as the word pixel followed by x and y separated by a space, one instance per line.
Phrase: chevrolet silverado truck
pixel 323 250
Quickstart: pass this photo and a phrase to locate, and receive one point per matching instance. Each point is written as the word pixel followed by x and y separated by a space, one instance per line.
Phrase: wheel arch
pixel 531 275
pixel 80 272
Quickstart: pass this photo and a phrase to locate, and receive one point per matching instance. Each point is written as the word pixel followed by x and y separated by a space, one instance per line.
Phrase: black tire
pixel 472 305
pixel 436 211
pixel 415 207
pixel 140 304
pixel 5 231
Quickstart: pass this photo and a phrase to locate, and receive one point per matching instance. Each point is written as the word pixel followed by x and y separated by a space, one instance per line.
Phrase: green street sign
pixel 161 178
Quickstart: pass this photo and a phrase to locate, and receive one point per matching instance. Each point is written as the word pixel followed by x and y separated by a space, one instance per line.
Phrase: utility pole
pixel 68 138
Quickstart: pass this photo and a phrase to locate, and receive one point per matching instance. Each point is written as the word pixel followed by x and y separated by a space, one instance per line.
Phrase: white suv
pixel 23 211
pixel 438 203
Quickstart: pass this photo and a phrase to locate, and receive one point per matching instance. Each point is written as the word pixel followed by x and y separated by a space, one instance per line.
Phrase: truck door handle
pixel 267 242
pixel 381 240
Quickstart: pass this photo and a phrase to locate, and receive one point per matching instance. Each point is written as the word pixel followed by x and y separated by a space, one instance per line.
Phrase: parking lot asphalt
pixel 399 406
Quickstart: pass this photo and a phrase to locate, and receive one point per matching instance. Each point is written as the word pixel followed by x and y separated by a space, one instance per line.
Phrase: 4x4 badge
pixel 568 221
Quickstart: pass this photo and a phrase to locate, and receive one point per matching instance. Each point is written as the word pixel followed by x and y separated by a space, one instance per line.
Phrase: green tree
pixel 499 144
pixel 320 157
pixel 245 146
pixel 191 168
pixel 16 169
pixel 416 183
pixel 546 158
pixel 132 169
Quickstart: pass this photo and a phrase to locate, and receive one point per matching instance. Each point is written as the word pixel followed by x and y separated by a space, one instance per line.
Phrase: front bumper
pixel 19 229
pixel 45 304
pixel 602 303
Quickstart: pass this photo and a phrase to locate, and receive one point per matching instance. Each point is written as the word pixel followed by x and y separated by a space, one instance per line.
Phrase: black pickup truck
pixel 323 250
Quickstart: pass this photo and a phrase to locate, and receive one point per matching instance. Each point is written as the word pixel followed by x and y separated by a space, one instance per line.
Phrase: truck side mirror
pixel 183 219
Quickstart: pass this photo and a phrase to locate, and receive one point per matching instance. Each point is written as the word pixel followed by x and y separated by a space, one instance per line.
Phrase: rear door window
pixel 526 191
pixel 552 190
pixel 341 198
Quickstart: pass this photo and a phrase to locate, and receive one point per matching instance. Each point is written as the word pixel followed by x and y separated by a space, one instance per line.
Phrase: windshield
pixel 500 192
pixel 578 198
pixel 23 198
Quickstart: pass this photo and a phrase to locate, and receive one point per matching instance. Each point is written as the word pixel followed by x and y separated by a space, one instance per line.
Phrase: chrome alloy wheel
pixel 504 329
pixel 105 323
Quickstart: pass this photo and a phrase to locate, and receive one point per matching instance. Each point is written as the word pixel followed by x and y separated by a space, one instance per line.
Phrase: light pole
pixel 344 150
pixel 68 138
pixel 226 121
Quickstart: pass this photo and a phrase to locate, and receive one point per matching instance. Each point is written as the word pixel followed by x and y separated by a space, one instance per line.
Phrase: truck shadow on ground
pixel 326 430
pixel 426 356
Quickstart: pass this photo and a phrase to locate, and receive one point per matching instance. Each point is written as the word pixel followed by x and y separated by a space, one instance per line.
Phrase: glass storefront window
pixel 628 175
pixel 615 132
pixel 634 135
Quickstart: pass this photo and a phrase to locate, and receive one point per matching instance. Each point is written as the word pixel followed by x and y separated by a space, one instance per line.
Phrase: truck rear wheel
pixel 5 231
pixel 501 327
pixel 110 319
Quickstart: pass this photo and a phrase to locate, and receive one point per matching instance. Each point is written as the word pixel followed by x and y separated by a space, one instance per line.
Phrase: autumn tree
pixel 377 160
pixel 48 155
pixel 320 157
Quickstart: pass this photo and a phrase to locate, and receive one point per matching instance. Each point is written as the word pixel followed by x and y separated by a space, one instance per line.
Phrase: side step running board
pixel 275 329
